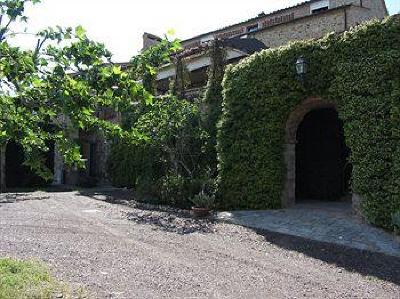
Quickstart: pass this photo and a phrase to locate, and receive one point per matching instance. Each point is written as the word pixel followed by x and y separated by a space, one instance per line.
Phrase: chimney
pixel 150 40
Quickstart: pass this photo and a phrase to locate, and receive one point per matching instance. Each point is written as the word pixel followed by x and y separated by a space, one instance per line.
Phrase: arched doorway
pixel 321 157
pixel 20 176
pixel 307 133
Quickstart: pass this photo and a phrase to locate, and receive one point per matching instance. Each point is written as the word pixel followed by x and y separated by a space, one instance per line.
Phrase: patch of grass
pixel 27 280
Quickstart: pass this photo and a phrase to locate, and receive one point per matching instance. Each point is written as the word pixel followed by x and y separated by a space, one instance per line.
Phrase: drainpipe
pixel 345 19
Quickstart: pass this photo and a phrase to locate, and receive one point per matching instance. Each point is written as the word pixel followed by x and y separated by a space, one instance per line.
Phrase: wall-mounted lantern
pixel 301 67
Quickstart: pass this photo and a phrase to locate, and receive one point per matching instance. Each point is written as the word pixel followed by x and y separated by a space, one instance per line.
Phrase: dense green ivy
pixel 133 165
pixel 359 72
pixel 211 104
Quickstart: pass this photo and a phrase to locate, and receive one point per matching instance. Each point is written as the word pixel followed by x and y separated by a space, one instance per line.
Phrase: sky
pixel 120 24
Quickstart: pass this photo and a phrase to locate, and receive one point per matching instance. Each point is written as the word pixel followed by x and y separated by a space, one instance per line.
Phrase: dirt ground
pixel 120 251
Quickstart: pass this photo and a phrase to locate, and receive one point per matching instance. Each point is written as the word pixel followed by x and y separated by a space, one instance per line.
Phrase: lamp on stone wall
pixel 301 67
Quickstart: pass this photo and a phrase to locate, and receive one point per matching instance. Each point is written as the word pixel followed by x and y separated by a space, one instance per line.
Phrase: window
pixel 252 28
pixel 319 6
pixel 206 39
pixel 319 10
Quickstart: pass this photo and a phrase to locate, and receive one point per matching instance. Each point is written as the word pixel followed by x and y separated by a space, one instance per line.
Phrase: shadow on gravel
pixel 172 222
pixel 23 194
pixel 18 197
pixel 158 216
pixel 366 263
pixel 110 195
pixel 48 189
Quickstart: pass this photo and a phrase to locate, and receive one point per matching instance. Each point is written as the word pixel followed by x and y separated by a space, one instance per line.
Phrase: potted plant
pixel 202 204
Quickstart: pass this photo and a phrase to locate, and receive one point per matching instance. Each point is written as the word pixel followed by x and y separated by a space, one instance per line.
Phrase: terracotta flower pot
pixel 200 212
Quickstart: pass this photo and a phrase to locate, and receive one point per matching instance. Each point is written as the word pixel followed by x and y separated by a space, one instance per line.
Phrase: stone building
pixel 95 150
pixel 309 20
pixel 311 123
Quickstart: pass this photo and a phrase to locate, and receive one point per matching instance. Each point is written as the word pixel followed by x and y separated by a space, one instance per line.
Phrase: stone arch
pixel 297 115
pixel 295 119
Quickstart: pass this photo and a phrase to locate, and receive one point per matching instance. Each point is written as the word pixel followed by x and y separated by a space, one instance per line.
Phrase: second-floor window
pixel 319 6
pixel 206 39
pixel 252 28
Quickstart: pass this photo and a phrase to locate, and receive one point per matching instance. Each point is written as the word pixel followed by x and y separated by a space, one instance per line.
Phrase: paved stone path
pixel 321 221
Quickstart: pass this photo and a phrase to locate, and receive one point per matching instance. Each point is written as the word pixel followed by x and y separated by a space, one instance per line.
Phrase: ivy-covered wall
pixel 358 71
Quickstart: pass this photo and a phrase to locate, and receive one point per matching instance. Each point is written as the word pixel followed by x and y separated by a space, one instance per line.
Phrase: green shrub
pixel 359 72
pixel 167 165
pixel 177 190
pixel 203 200
pixel 172 190
pixel 132 165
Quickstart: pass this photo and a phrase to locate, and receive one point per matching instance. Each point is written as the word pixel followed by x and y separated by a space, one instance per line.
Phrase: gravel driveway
pixel 118 251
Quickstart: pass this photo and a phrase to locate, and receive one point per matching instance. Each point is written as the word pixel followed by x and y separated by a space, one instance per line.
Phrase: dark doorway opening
pixel 322 168
pixel 20 176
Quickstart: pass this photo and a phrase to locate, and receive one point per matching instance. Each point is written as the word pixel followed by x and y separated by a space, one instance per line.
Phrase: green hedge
pixel 360 72
pixel 132 165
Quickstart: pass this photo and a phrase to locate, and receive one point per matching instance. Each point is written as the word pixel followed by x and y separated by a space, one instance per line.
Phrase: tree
pixel 212 102
pixel 174 127
pixel 62 82
pixel 168 167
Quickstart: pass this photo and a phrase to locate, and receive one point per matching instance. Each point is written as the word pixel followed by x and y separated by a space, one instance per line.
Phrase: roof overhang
pixel 196 62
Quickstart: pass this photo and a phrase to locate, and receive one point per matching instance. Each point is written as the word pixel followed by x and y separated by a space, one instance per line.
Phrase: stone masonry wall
pixel 378 8
pixel 300 15
pixel 297 11
pixel 337 20
pixel 101 157
pixel 358 15
pixel 372 9
pixel 338 3
pixel 305 28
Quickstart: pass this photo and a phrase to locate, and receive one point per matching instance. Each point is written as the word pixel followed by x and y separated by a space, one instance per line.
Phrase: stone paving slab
pixel 329 222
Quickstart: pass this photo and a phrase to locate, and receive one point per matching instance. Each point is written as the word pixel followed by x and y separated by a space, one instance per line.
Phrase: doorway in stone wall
pixel 19 175
pixel 322 168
